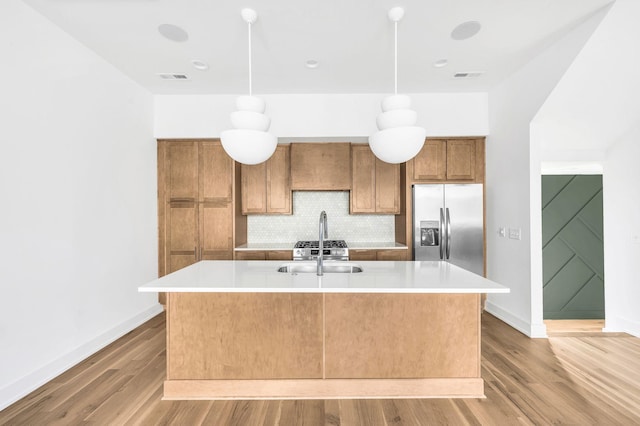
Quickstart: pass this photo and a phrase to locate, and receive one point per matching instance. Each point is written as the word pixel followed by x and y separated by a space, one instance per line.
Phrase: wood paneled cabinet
pixel 195 203
pixel 371 254
pixel 264 255
pixel 266 187
pixel 321 166
pixel 456 160
pixel 375 185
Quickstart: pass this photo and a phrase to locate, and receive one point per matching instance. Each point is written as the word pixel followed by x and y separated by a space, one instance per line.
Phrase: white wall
pixel 597 101
pixel 77 187
pixel 513 181
pixel 200 116
pixel 622 233
pixel 596 105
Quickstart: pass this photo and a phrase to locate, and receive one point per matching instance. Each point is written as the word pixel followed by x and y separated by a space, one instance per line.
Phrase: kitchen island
pixel 243 330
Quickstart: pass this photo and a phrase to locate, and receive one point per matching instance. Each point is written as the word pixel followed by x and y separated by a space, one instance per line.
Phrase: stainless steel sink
pixel 328 268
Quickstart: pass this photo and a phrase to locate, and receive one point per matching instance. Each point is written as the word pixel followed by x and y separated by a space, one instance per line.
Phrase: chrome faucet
pixel 324 233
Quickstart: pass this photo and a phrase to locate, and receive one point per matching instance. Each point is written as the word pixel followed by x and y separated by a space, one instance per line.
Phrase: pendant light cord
pixel 250 87
pixel 395 62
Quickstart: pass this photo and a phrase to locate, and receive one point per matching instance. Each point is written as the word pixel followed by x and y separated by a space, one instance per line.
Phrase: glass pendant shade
pixel 249 141
pixel 398 139
pixel 397 144
pixel 248 146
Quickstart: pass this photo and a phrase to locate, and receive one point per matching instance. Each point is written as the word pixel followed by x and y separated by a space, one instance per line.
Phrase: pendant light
pixel 249 141
pixel 398 139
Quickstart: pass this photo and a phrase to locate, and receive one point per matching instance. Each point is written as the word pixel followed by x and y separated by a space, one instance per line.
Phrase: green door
pixel 572 247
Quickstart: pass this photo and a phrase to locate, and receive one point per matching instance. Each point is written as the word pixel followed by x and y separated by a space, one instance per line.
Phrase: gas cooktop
pixel 326 244
pixel 331 250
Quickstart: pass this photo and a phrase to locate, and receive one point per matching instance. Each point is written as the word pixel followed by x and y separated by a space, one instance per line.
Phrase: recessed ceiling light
pixel 200 65
pixel 466 30
pixel 312 63
pixel 440 63
pixel 173 32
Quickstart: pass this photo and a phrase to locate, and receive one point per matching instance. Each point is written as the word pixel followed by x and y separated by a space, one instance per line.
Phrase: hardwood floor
pixel 591 379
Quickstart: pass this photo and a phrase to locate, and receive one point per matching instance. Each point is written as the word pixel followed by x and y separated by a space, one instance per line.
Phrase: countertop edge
pixel 442 290
pixel 351 246
pixel 406 277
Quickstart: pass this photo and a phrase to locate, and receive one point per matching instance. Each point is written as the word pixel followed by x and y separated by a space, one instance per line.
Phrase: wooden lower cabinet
pixel 362 254
pixel 319 346
pixel 244 336
pixel 280 255
pixel 366 338
pixel 251 255
pixel 264 255
pixel 367 254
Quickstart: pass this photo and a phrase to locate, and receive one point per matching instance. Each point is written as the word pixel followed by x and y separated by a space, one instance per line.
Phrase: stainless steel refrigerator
pixel 448 224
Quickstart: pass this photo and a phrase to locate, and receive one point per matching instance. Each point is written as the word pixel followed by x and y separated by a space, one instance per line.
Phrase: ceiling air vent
pixel 468 74
pixel 171 76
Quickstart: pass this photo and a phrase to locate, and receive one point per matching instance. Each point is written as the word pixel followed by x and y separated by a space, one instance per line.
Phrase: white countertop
pixel 229 276
pixel 352 245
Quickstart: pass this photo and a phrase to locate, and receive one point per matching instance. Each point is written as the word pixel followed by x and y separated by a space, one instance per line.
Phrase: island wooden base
pixel 323 389
pixel 313 345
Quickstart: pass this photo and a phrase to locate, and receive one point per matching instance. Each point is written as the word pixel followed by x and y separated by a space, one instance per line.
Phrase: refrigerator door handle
pixel 448 234
pixel 442 239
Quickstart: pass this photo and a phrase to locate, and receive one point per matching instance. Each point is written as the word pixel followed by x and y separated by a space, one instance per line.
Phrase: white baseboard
pixel 524 327
pixel 619 324
pixel 27 384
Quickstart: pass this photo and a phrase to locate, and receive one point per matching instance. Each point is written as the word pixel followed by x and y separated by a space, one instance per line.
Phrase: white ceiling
pixel 351 39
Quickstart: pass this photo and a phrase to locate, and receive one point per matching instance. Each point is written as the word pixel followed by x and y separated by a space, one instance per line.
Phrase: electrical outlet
pixel 514 233
pixel 502 232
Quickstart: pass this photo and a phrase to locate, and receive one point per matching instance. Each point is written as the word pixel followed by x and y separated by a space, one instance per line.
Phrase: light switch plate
pixel 514 233
pixel 502 231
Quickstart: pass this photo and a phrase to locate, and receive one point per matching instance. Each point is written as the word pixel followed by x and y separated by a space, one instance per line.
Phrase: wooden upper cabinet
pixel 266 187
pixel 216 173
pixel 375 185
pixel 363 183
pixel 387 187
pixel 321 166
pixel 253 188
pixel 279 181
pixel 461 159
pixel 453 160
pixel 181 171
pixel 431 161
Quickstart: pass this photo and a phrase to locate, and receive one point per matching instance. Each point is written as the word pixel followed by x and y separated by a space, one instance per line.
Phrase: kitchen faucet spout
pixel 323 233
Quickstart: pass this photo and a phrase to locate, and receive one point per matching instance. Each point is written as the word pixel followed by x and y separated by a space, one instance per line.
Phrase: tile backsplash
pixel 303 224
